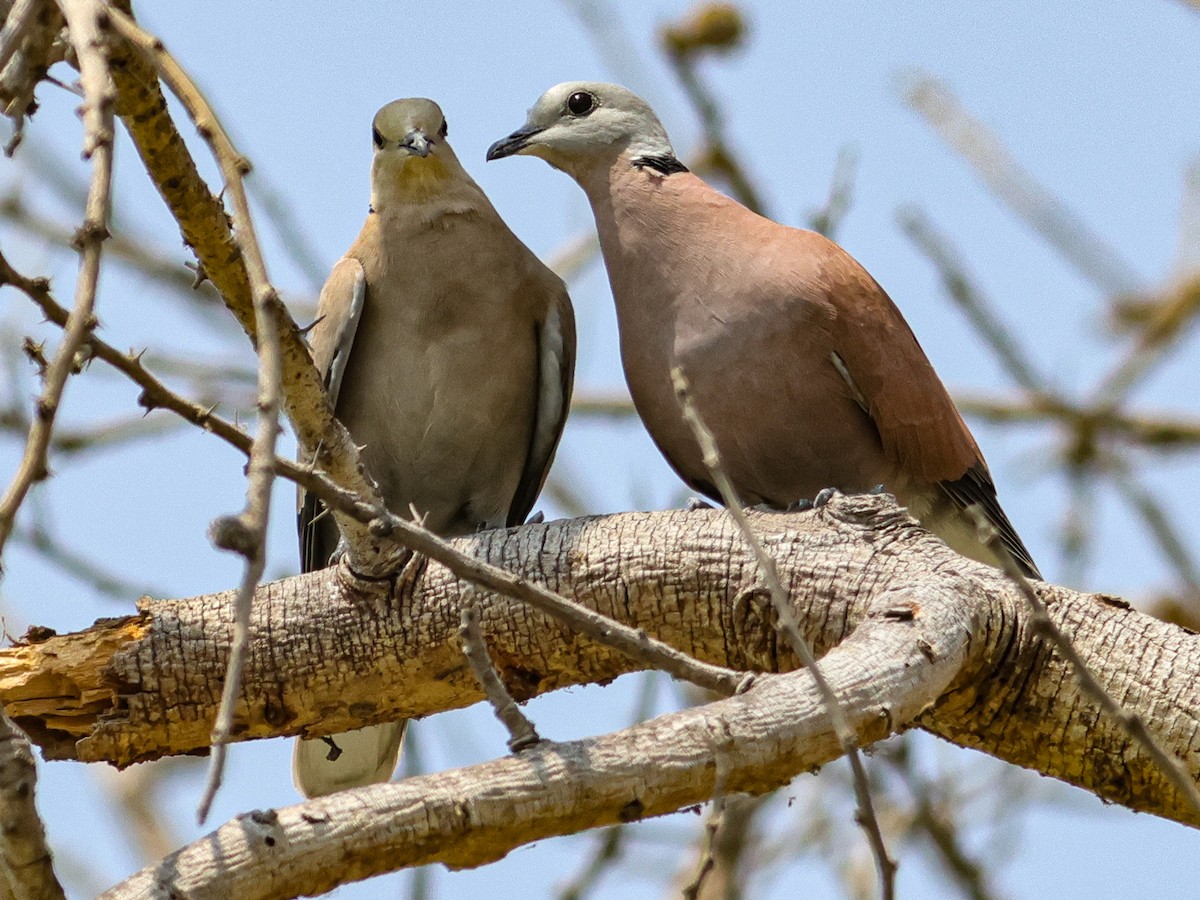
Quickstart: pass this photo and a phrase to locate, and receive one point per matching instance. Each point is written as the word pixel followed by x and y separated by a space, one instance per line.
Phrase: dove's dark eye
pixel 581 103
pixel 445 129
pixel 377 138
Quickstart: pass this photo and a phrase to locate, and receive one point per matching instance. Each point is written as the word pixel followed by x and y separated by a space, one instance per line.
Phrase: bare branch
pixel 574 255
pixel 26 864
pixel 386 526
pixel 42 540
pixel 1165 321
pixel 971 301
pixel 1187 243
pixel 712 26
pixel 17 25
pixel 521 733
pixel 155 265
pixel 716 818
pixel 1155 431
pixel 769 734
pixel 1131 722
pixel 117 433
pixel 788 626
pixel 206 228
pixel 614 405
pixel 1058 225
pixel 935 820
pixel 83 17
pixel 828 219
pixel 245 534
pixel 30 47
pixel 330 653
pixel 1165 534
pixel 608 850
pixel 612 842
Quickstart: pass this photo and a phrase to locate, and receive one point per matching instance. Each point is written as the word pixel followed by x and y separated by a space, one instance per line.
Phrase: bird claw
pixel 823 498
pixel 878 489
pixel 695 503
pixel 536 519
pixel 340 551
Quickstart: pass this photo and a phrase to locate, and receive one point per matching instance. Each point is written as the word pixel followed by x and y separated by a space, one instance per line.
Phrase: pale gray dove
pixel 448 351
pixel 798 360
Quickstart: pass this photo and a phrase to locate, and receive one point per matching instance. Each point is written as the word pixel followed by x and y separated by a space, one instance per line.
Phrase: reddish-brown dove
pixel 448 351
pixel 798 360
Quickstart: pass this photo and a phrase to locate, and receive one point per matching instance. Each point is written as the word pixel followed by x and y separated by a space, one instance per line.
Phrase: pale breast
pixel 442 384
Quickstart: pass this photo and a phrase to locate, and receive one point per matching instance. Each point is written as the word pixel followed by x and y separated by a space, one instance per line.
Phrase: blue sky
pixel 1097 103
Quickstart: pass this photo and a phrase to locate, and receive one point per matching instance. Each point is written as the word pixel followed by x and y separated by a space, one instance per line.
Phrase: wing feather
pixel 339 311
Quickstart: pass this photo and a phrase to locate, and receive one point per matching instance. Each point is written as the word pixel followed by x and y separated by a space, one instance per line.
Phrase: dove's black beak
pixel 513 144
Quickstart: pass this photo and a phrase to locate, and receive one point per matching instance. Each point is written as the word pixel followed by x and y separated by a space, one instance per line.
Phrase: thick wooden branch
pixel 329 653
pixel 26 864
pixel 912 644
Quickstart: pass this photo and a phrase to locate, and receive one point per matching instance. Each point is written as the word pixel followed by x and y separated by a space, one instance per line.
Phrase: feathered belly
pixel 781 439
pixel 451 435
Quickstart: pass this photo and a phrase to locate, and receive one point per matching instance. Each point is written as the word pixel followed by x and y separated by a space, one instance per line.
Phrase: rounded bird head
pixel 580 124
pixel 411 152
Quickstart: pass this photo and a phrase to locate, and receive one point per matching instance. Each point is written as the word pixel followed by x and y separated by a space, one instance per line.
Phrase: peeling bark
pixel 329 653
pixel 885 673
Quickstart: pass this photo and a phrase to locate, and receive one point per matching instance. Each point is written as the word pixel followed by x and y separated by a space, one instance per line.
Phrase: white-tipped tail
pixel 368 756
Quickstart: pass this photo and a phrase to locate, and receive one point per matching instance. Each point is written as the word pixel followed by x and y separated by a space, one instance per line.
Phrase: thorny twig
pixel 83 17
pixel 789 627
pixel 246 533
pixel 385 524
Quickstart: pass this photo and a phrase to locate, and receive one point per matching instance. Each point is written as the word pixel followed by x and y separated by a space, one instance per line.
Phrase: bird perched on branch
pixel 448 352
pixel 798 360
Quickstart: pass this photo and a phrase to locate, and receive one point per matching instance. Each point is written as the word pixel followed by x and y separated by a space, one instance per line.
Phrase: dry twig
pixel 1131 723
pixel 716 819
pixel 1058 225
pixel 521 732
pixel 971 301
pixel 712 26
pixel 828 219
pixel 84 22
pixel 388 526
pixel 788 626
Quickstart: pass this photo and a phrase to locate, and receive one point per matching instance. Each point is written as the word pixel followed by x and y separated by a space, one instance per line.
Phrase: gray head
pixel 581 123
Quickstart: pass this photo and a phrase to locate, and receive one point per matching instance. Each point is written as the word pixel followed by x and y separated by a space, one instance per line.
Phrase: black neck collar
pixel 663 165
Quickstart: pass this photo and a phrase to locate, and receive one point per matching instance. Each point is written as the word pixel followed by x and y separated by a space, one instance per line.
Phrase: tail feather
pixel 361 757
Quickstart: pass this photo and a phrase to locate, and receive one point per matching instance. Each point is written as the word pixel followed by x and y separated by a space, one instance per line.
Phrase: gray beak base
pixel 514 143
pixel 416 143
